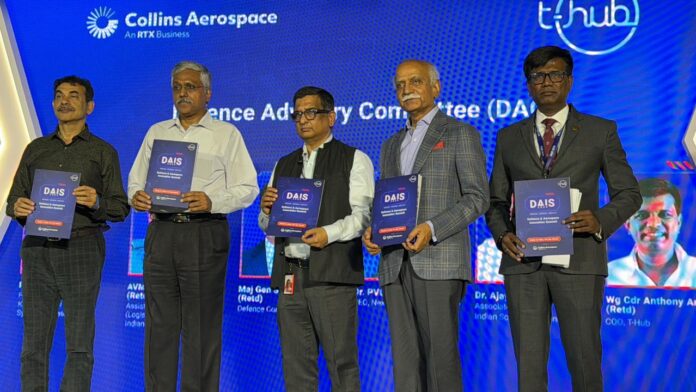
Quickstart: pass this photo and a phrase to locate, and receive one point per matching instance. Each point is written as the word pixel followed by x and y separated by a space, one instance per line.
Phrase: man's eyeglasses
pixel 308 114
pixel 188 87
pixel 540 77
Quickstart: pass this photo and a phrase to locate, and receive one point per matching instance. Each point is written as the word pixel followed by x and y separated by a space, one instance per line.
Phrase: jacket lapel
pixel 571 131
pixel 396 152
pixel 528 131
pixel 432 136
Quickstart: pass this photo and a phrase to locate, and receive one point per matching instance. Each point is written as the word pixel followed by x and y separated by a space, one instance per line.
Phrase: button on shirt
pixel 362 191
pixel 410 146
pixel 412 141
pixel 87 154
pixel 223 169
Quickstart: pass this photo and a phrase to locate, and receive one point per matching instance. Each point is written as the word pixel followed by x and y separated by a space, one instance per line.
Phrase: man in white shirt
pixel 186 253
pixel 657 259
pixel 318 274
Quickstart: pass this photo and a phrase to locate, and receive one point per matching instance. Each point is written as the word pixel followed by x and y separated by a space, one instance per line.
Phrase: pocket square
pixel 439 145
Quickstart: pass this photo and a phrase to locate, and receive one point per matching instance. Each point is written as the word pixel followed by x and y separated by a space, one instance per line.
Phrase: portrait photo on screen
pixel 656 246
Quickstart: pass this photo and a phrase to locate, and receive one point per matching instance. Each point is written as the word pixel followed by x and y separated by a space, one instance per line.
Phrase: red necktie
pixel 548 135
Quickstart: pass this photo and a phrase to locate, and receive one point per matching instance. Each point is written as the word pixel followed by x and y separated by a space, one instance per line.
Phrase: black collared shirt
pixel 92 157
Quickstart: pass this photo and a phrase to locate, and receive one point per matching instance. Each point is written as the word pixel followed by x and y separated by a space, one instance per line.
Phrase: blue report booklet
pixel 297 207
pixel 170 174
pixel 395 209
pixel 54 203
pixel 540 207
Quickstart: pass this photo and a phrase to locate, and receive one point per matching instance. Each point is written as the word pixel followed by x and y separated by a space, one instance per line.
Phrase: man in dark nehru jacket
pixel 559 141
pixel 318 274
pixel 66 269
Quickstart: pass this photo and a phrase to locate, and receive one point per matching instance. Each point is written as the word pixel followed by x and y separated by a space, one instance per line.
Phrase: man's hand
pixel 269 197
pixel 371 247
pixel 419 238
pixel 316 237
pixel 583 222
pixel 197 201
pixel 512 246
pixel 141 201
pixel 85 195
pixel 23 207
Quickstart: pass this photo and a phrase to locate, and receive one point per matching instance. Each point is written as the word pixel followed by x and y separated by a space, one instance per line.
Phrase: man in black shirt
pixel 67 270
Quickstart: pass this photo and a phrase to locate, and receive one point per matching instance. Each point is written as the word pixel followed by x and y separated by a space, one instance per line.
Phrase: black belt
pixel 186 218
pixel 301 263
pixel 83 232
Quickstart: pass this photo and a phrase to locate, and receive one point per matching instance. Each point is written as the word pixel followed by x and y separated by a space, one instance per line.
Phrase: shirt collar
pixel 561 117
pixel 205 122
pixel 84 133
pixel 304 146
pixel 681 263
pixel 426 120
pixel 678 251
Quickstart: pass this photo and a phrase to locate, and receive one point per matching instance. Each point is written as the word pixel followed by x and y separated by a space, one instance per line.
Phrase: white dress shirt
pixel 625 271
pixel 362 191
pixel 223 168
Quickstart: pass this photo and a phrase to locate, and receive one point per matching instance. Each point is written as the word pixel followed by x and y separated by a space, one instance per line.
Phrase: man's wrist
pixel 499 240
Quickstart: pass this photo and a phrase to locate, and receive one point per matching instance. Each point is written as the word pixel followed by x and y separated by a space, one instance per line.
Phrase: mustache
pixel 410 96
pixel 184 100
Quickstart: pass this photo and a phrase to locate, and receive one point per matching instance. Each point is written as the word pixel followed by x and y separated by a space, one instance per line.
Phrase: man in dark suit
pixel 424 279
pixel 587 146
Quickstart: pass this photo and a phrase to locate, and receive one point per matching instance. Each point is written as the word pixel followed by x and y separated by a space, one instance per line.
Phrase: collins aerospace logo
pixel 591 27
pixel 100 23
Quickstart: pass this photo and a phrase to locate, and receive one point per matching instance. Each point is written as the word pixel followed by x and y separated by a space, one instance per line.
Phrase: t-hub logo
pixel 100 22
pixel 578 24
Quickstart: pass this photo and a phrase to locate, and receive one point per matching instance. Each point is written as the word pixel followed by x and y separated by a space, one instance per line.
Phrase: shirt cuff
pixel 598 235
pixel 432 230
pixel 333 233
pixel 263 220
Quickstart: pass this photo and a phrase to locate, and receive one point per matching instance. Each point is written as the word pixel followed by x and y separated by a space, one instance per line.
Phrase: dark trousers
pixel 184 275
pixel 424 327
pixel 319 313
pixel 67 270
pixel 578 302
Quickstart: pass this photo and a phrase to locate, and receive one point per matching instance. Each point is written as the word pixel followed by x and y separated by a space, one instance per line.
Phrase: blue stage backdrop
pixel 634 64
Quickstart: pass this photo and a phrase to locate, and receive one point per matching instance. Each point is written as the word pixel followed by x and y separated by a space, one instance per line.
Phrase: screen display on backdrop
pixel 633 64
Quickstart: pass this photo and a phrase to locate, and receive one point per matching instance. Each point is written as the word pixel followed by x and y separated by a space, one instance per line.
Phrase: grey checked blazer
pixel 454 193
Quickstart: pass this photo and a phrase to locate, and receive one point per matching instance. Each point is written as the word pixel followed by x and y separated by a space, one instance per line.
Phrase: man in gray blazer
pixel 587 147
pixel 424 279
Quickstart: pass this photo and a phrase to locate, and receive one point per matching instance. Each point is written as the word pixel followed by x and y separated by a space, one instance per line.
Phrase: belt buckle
pixel 182 218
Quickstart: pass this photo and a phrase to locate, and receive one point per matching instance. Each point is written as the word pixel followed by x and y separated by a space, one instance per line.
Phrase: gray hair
pixel 433 73
pixel 193 66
